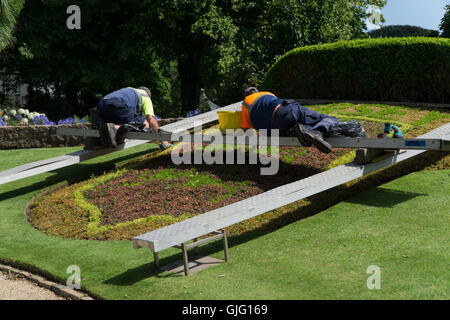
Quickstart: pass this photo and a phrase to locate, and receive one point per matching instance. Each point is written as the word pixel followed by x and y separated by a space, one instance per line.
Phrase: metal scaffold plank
pixel 335 142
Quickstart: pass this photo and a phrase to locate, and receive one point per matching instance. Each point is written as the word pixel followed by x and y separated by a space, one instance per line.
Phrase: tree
pixel 186 31
pixel 68 70
pixel 222 45
pixel 175 47
pixel 8 12
pixel 445 23
pixel 267 30
pixel 402 31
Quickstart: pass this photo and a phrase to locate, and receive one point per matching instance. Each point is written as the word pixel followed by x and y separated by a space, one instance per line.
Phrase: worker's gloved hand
pixel 163 147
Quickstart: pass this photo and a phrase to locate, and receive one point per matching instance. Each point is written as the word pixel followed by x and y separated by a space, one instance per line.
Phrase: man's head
pixel 249 91
pixel 146 90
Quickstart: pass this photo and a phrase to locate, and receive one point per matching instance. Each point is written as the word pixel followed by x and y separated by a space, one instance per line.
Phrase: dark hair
pixel 249 91
pixel 146 90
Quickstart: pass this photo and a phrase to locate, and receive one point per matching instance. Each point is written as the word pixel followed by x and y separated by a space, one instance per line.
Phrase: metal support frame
pixel 185 246
pixel 335 142
pixel 155 257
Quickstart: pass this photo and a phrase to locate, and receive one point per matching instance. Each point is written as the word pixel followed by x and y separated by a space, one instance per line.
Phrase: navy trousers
pixel 293 113
pixel 115 110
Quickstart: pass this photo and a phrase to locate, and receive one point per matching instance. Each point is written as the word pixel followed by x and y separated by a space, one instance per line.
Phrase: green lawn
pixel 401 227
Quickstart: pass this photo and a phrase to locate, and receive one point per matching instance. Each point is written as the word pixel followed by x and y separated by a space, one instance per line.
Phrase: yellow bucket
pixel 229 120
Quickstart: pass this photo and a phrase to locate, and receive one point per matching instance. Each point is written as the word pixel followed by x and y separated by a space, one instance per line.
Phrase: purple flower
pixel 193 113
pixel 72 120
pixel 2 123
pixel 42 120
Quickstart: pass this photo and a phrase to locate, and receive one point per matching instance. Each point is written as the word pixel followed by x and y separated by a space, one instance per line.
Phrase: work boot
pixel 308 137
pixel 108 134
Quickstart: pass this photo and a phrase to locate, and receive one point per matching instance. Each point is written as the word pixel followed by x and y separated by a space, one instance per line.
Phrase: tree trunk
pixel 190 70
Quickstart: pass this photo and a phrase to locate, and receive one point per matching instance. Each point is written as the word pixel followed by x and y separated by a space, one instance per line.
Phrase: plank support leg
pixel 185 259
pixel 156 258
pixel 225 245
pixel 196 247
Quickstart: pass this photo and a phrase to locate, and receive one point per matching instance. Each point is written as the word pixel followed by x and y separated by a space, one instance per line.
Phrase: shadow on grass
pixel 73 174
pixel 147 270
pixel 384 198
pixel 318 203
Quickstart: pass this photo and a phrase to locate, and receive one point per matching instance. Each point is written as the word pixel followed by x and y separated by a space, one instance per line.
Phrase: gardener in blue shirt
pixel 263 110
pixel 127 105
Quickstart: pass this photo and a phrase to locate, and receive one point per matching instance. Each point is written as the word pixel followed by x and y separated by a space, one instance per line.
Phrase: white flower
pixel 13 112
pixel 5 117
pixel 21 111
pixel 26 112
pixel 25 120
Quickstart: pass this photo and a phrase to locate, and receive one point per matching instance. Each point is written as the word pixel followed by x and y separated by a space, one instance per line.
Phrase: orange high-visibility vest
pixel 247 106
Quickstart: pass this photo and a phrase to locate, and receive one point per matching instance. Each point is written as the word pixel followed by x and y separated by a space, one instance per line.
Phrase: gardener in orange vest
pixel 263 110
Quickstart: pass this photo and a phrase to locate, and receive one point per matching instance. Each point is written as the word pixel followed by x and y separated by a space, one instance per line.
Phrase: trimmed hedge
pixel 393 69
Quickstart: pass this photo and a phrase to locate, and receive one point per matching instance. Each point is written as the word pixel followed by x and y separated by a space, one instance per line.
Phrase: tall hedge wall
pixel 393 69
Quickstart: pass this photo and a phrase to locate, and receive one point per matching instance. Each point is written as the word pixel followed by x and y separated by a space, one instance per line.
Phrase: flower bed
pixel 23 117
pixel 21 128
pixel 155 192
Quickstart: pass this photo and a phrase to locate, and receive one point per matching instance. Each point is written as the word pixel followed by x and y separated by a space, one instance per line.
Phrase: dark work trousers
pixel 115 110
pixel 287 116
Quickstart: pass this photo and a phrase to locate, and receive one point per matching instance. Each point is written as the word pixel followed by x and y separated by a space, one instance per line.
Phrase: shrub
pixel 391 69
pixel 402 31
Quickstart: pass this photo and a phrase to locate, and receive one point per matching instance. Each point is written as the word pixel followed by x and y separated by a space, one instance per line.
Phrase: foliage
pixel 267 30
pixel 69 70
pixel 392 69
pixel 9 10
pixel 186 31
pixel 174 47
pixel 445 23
pixel 402 31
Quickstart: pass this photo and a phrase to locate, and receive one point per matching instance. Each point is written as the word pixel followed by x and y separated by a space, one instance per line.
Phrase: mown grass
pixel 401 227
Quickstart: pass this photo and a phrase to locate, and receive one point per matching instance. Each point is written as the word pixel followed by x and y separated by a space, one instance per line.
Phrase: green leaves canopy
pixel 8 12
pixel 445 23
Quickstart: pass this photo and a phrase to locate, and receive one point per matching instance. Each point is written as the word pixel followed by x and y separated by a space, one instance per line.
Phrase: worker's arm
pixel 152 123
pixel 150 120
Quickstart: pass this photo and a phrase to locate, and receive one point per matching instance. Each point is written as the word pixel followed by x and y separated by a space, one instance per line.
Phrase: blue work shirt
pixel 127 95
